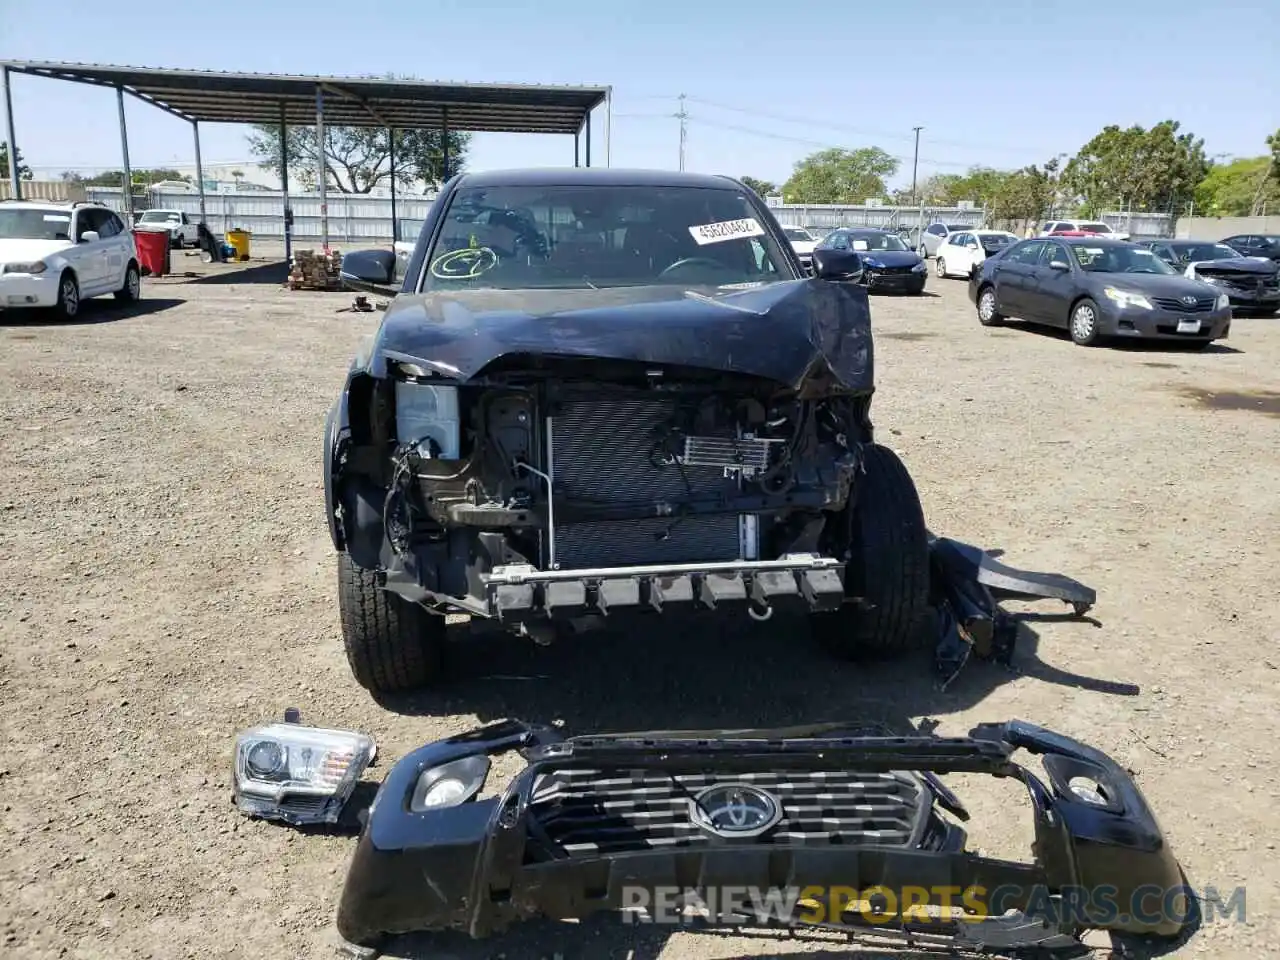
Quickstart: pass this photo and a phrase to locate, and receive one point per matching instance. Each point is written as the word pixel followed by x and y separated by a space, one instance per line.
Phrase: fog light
pixel 1090 791
pixel 449 784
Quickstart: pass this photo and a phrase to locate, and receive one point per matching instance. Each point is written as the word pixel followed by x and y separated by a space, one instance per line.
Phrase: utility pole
pixel 915 165
pixel 683 117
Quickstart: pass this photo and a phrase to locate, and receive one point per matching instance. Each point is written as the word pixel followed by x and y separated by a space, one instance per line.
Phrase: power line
pixel 871 134
pixel 826 145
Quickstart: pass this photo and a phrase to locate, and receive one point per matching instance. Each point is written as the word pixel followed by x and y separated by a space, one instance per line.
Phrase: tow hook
pixel 759 611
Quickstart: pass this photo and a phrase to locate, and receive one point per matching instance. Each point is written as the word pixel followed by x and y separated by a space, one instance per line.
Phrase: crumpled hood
pixel 24 251
pixel 1264 268
pixel 790 332
pixel 889 258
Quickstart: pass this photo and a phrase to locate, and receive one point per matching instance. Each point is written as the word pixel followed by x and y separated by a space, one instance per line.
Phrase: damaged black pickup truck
pixel 600 393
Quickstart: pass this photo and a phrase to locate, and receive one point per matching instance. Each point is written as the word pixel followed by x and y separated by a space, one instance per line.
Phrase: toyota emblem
pixel 735 810
pixel 1189 300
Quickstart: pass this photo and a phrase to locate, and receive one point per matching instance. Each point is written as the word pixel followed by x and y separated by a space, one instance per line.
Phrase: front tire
pixel 940 268
pixel 988 315
pixel 886 546
pixel 392 646
pixel 68 305
pixel 132 288
pixel 1084 323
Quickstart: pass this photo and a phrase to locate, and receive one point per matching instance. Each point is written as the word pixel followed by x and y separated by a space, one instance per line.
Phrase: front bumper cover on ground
pixel 541 848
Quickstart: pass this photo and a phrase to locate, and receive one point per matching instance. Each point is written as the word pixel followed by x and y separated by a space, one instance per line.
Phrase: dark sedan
pixel 1265 245
pixel 1098 288
pixel 1252 284
pixel 888 264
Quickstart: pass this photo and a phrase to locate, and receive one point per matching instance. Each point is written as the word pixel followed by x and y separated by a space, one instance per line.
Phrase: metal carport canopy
pixel 212 96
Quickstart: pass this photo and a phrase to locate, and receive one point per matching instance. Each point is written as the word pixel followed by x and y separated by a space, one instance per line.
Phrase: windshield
pixel 996 239
pixel 877 241
pixel 1206 251
pixel 34 225
pixel 1095 228
pixel 523 237
pixel 1119 258
pixel 158 216
pixel 796 233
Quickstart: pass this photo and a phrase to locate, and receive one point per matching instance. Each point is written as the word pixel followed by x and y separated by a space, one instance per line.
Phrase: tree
pixel 762 187
pixel 1025 195
pixel 1273 142
pixel 840 176
pixel 1238 189
pixel 114 178
pixel 357 159
pixel 24 171
pixel 1156 169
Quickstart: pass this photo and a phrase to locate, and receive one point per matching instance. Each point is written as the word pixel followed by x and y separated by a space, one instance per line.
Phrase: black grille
pixel 602 450
pixel 1175 304
pixel 588 812
pixel 893 271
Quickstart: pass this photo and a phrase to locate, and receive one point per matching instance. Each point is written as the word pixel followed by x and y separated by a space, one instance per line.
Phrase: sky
pixel 1000 84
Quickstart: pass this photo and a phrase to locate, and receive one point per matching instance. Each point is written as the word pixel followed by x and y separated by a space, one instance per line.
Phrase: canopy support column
pixel 124 151
pixel 391 146
pixel 322 174
pixel 11 142
pixel 195 132
pixel 284 186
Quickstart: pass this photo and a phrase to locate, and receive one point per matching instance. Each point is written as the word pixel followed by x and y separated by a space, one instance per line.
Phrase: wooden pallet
pixel 315 271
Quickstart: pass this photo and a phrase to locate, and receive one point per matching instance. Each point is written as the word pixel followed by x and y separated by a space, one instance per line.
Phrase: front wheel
pixel 988 315
pixel 68 305
pixel 886 548
pixel 940 268
pixel 1084 323
pixel 392 645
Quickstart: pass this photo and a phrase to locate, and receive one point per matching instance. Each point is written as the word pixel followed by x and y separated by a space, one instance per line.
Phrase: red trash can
pixel 153 251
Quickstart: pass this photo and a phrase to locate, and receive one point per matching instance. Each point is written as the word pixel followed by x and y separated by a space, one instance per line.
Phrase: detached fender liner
pixel 485 864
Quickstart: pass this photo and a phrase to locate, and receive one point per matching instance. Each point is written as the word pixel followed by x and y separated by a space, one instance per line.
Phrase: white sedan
pixel 802 242
pixel 960 252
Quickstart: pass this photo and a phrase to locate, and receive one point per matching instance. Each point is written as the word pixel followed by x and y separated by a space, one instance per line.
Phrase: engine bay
pixel 604 464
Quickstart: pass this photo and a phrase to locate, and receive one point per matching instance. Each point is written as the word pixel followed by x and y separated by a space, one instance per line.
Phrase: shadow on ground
pixel 1124 344
pixel 273 272
pixel 97 310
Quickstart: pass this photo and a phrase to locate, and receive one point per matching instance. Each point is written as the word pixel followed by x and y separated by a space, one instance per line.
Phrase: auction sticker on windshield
pixel 705 233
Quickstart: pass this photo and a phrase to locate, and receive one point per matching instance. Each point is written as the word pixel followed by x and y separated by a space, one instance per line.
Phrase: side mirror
pixel 1061 265
pixel 89 236
pixel 837 265
pixel 370 270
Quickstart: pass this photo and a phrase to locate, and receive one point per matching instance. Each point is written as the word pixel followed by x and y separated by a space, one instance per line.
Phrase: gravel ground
pixel 168 580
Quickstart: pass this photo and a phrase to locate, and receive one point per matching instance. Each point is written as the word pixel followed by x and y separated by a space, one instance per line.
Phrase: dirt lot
pixel 168 580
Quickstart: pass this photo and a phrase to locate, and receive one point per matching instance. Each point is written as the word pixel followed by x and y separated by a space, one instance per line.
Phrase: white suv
pixel 41 265
pixel 182 232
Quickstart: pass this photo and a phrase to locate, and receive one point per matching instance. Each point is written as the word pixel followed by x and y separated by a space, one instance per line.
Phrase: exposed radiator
pixel 602 450
pixel 586 812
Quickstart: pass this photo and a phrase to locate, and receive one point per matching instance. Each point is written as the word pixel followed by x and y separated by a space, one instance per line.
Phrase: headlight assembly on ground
pixel 285 771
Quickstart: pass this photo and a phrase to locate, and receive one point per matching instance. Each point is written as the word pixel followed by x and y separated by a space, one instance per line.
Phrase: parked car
pixel 889 265
pixel 802 242
pixel 42 266
pixel 1098 288
pixel 1252 283
pixel 933 236
pixel 964 250
pixel 183 232
pixel 1086 226
pixel 604 391
pixel 1265 245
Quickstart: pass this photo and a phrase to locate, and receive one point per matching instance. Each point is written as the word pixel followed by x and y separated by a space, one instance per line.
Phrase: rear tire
pixel 392 645
pixel 132 288
pixel 886 546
